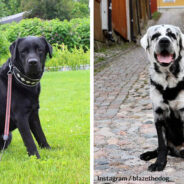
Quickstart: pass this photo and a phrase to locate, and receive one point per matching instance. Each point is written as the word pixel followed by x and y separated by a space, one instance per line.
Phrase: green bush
pixel 63 57
pixel 74 33
pixel 4 45
pixel 70 39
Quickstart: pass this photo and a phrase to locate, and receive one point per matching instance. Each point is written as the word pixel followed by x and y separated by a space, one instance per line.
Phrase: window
pixel 166 1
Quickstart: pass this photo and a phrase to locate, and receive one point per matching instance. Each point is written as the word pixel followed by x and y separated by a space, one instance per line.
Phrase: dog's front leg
pixel 37 130
pixel 25 132
pixel 161 161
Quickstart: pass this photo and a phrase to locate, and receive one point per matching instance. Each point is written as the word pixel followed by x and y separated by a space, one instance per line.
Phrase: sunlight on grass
pixel 64 114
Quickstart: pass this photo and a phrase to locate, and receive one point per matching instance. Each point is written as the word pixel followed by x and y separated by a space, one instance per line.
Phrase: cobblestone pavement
pixel 124 122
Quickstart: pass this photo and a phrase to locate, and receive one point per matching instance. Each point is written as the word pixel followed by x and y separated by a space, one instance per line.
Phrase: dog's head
pixel 29 54
pixel 163 43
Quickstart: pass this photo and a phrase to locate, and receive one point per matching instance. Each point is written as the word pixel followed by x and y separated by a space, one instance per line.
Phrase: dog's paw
pixel 182 153
pixel 46 146
pixel 145 156
pixel 156 167
pixel 148 155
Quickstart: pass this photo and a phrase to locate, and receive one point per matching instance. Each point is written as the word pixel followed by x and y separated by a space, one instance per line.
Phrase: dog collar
pixel 23 79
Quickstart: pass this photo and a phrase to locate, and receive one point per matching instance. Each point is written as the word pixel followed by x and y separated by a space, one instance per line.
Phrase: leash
pixel 8 108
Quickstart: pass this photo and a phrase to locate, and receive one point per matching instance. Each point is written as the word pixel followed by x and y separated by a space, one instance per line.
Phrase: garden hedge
pixel 74 33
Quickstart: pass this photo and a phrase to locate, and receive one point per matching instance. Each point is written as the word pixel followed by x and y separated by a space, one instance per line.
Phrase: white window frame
pixel 169 1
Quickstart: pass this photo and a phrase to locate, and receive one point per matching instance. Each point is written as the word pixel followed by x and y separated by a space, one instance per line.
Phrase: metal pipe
pixel 131 21
pixel 110 20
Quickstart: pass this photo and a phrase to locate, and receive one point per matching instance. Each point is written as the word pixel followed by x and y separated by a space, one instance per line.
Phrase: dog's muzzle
pixel 164 53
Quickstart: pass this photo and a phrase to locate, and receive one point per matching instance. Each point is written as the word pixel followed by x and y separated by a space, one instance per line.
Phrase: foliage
pixel 156 16
pixel 61 9
pixel 46 9
pixel 74 33
pixel 70 39
pixel 4 45
pixel 3 8
pixel 64 114
pixel 85 1
pixel 15 6
pixel 80 10
pixel 63 57
pixel 9 7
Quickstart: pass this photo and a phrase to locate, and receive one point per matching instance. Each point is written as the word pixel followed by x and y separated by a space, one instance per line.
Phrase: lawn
pixel 64 114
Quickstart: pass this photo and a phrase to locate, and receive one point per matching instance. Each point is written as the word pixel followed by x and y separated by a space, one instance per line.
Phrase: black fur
pixel 25 100
pixel 175 67
pixel 169 93
pixel 155 36
pixel 148 44
pixel 156 67
pixel 171 35
pixel 159 111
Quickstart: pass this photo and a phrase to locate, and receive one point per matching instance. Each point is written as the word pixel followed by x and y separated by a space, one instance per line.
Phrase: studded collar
pixel 23 79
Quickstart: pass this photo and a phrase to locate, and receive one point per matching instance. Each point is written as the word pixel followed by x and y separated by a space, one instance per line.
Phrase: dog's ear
pixel 13 49
pixel 144 41
pixel 48 47
pixel 182 40
pixel 181 37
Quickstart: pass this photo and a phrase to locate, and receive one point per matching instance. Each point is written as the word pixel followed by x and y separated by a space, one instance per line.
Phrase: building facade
pixel 170 3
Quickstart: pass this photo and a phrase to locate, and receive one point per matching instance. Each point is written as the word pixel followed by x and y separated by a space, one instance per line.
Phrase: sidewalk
pixel 124 120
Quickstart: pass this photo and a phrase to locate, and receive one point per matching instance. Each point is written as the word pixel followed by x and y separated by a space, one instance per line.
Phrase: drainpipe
pixel 150 15
pixel 110 20
pixel 138 18
pixel 131 21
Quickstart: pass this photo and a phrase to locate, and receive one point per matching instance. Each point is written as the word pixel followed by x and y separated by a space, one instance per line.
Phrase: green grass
pixel 64 114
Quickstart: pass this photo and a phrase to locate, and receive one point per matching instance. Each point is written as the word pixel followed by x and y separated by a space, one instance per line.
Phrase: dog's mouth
pixel 34 75
pixel 165 57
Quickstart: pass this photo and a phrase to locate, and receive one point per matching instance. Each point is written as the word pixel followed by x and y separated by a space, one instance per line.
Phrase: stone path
pixel 124 122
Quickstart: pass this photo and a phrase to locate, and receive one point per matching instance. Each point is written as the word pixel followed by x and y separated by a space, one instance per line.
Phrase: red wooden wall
pixel 153 6
pixel 119 19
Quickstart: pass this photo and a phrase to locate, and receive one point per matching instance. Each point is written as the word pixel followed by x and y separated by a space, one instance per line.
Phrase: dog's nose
pixel 33 61
pixel 164 42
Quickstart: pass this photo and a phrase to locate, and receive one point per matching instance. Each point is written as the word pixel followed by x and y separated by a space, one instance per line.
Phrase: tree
pixel 80 10
pixel 46 9
pixel 84 1
pixel 3 9
pixel 61 9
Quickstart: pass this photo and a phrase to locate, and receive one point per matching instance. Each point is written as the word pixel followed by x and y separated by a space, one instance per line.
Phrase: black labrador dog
pixel 28 56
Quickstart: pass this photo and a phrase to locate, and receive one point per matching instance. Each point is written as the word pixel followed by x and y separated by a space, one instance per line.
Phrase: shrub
pixel 4 45
pixel 74 33
pixel 63 57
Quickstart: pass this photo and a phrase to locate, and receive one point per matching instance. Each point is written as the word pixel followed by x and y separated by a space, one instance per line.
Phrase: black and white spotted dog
pixel 164 45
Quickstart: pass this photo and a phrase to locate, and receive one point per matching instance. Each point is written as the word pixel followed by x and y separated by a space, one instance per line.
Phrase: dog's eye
pixel 171 35
pixel 40 50
pixel 23 52
pixel 155 36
